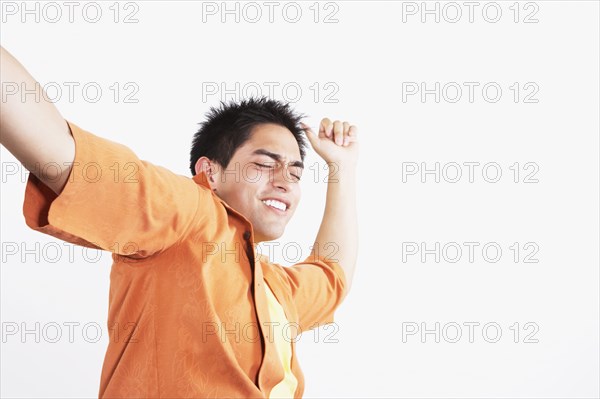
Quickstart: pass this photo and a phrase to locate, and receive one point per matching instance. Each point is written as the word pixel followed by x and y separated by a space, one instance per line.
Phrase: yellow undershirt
pixel 286 387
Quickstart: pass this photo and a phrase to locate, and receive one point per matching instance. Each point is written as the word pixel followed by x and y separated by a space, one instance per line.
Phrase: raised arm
pixel 31 127
pixel 97 192
pixel 337 238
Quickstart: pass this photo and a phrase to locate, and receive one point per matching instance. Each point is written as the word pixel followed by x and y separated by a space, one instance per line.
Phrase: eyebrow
pixel 277 157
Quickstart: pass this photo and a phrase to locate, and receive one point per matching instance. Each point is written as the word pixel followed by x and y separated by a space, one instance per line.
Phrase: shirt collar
pixel 201 179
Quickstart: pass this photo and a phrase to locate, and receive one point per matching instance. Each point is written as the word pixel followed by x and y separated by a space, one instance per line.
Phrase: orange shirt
pixel 188 311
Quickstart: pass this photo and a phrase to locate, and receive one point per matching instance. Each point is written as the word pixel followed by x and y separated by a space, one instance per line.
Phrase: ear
pixel 203 164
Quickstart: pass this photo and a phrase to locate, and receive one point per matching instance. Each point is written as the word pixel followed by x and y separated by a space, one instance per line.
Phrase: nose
pixel 281 179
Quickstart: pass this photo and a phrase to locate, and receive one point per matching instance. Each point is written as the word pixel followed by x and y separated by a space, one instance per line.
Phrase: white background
pixel 170 54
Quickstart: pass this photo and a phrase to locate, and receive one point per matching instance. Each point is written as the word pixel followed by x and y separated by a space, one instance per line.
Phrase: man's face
pixel 262 180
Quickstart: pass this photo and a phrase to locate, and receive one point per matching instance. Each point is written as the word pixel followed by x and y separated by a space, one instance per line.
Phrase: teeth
pixel 276 204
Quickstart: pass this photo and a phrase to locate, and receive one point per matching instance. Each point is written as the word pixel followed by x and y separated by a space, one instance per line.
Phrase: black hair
pixel 229 126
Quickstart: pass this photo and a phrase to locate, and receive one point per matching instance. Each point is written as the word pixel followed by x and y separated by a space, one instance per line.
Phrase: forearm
pixel 31 127
pixel 337 238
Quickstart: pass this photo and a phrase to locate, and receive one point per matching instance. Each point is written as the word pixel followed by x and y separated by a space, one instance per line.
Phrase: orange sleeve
pixel 317 286
pixel 115 201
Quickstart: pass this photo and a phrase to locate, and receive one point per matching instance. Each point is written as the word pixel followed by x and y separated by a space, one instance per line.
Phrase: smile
pixel 280 206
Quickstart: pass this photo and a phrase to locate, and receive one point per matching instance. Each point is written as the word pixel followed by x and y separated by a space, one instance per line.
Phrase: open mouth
pixel 276 205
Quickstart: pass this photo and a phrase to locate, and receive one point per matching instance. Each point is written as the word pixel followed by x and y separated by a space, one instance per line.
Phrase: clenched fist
pixel 336 143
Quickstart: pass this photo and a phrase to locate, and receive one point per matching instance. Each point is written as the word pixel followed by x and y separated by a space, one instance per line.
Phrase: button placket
pixel 269 363
pixel 257 281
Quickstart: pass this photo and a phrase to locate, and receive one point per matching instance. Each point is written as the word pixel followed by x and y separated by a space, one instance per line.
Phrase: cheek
pixel 249 191
pixel 296 193
pixel 235 194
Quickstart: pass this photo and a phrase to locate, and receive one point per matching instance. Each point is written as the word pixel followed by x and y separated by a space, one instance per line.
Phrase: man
pixel 194 311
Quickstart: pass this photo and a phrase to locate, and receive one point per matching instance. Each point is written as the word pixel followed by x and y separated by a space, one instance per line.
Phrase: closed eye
pixel 263 165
